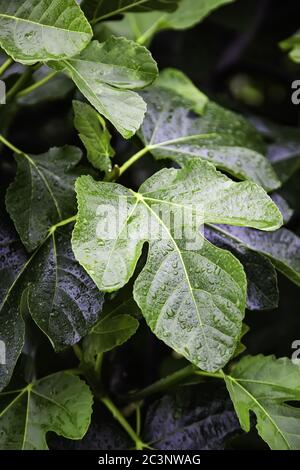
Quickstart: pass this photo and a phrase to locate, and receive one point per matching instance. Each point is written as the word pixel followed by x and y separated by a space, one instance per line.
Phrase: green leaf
pixel 262 290
pixel 94 135
pixel 143 26
pixel 111 331
pixel 61 297
pixel 60 403
pixel 191 293
pixel 292 45
pixel 40 30
pixel 107 73
pixel 42 193
pixel 12 260
pixel 175 80
pixel 192 418
pixel 172 130
pixel 282 247
pixel 98 10
pixel 268 386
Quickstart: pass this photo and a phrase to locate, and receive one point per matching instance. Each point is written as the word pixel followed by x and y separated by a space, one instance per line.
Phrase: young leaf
pixel 282 247
pixel 107 73
pixel 192 296
pixel 292 45
pixel 40 30
pixel 262 290
pixel 94 135
pixel 175 80
pixel 60 403
pixel 97 10
pixel 110 332
pixel 193 418
pixel 62 299
pixel 42 193
pixel 267 386
pixel 171 130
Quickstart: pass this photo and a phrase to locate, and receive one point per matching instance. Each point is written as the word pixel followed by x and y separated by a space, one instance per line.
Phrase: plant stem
pixel 23 79
pixel 164 384
pixel 78 352
pixel 10 146
pixel 98 365
pixel 36 85
pixel 5 66
pixel 62 223
pixel 138 420
pixel 133 160
pixel 139 444
pixel 171 380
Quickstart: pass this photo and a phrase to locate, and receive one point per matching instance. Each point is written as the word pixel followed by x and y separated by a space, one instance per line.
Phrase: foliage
pixel 149 272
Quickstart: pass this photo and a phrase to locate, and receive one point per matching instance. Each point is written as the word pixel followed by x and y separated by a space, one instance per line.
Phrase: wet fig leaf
pixel 172 130
pixel 141 27
pixel 40 30
pixel 192 418
pixel 12 260
pixel 111 331
pixel 62 299
pixel 106 73
pixel 61 403
pixel 282 247
pixel 262 290
pixel 191 293
pixel 267 386
pixel 292 45
pixel 43 192
pixel 94 135
pixel 97 10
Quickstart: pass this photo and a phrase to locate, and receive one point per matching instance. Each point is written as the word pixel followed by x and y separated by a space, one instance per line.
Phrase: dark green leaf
pixel 94 135
pixel 43 192
pixel 172 130
pixel 60 403
pixel 193 418
pixel 40 30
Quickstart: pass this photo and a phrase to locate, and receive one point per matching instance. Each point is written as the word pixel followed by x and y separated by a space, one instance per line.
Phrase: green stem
pixel 172 380
pixel 98 365
pixel 133 160
pixel 78 352
pixel 138 420
pixel 139 444
pixel 10 145
pixel 22 80
pixel 5 66
pixel 36 85
pixel 62 223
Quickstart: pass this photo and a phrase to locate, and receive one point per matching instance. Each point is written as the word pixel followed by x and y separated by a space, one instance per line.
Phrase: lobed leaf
pixel 267 386
pixel 60 403
pixel 171 130
pixel 40 30
pixel 107 73
pixel 191 294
